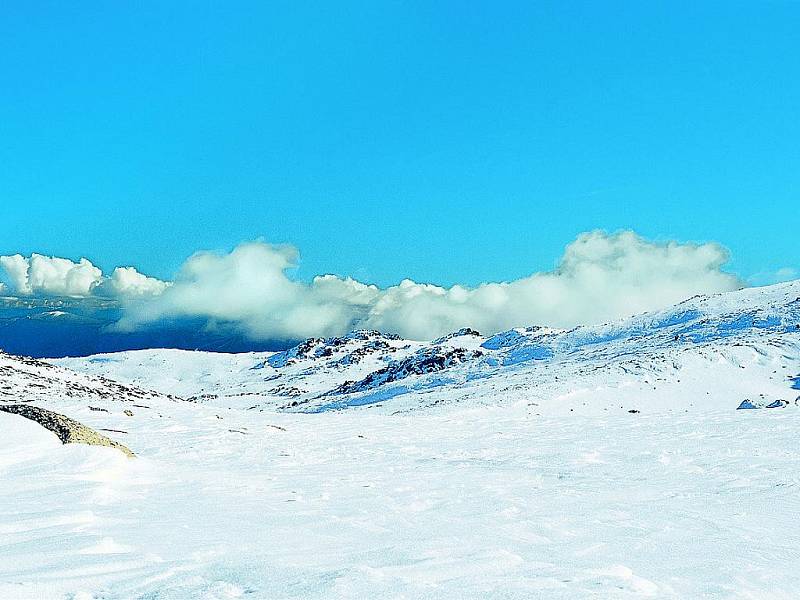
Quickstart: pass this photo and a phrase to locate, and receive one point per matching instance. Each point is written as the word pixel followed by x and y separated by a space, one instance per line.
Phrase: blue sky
pixel 447 142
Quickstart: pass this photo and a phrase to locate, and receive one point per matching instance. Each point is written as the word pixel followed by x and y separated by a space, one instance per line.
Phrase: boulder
pixel 746 404
pixel 68 430
pixel 777 404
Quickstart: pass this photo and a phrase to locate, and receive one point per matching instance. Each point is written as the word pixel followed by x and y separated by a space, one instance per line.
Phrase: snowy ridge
pixel 367 368
pixel 30 380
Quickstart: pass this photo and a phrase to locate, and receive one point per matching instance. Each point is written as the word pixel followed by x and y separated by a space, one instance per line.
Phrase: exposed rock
pixel 355 356
pixel 68 430
pixel 747 405
pixel 364 340
pixel 428 360
pixel 464 331
pixel 778 404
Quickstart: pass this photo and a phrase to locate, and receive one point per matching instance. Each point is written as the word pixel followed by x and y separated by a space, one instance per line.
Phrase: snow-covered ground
pixel 605 462
pixel 483 503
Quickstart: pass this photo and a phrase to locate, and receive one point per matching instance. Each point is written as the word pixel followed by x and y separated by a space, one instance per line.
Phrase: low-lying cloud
pixel 600 277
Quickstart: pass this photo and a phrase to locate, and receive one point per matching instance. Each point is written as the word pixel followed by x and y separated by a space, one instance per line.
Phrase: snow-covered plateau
pixel 605 461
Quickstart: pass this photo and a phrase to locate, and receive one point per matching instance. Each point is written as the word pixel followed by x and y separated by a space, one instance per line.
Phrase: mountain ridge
pixel 370 368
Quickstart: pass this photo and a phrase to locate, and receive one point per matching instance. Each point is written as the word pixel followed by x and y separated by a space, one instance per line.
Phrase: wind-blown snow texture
pixel 606 462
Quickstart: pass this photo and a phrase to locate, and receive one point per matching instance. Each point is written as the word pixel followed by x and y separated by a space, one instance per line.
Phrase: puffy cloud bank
pixel 52 276
pixel 600 277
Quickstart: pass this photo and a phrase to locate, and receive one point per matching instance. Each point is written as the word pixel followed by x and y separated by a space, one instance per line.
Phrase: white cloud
pixel 127 282
pixel 50 275
pixel 786 274
pixel 600 277
pixel 53 276
pixel 769 277
pixel 16 268
pixel 249 287
pixel 61 276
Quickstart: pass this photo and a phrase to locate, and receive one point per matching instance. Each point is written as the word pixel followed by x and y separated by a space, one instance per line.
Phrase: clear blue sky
pixel 444 141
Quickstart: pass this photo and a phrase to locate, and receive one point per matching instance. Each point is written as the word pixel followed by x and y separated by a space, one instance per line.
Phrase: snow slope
pixel 471 467
pixel 489 502
pixel 25 379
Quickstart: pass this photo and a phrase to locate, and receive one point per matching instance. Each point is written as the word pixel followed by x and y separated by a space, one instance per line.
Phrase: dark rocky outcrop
pixel 363 342
pixel 427 360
